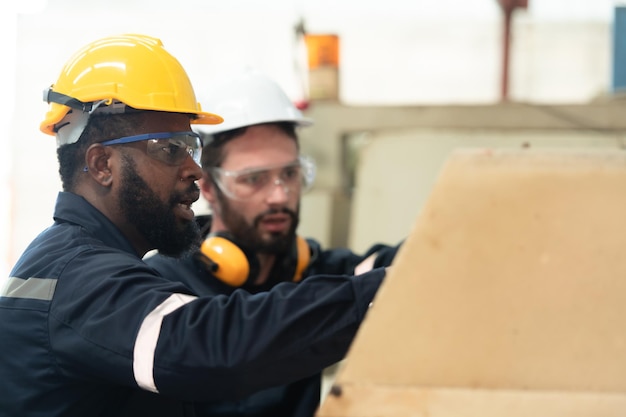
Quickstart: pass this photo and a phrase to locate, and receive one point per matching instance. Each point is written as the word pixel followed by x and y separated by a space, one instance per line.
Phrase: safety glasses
pixel 169 147
pixel 295 176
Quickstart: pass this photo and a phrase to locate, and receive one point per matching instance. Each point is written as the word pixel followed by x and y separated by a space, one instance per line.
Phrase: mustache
pixel 191 191
pixel 284 210
pixel 193 188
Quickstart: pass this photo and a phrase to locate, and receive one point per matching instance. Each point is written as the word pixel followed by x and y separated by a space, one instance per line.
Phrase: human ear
pixel 97 164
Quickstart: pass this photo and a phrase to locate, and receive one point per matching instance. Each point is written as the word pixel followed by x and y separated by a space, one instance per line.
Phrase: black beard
pixel 154 219
pixel 247 235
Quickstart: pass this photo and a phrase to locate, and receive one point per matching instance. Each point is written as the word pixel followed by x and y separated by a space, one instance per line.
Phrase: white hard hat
pixel 249 98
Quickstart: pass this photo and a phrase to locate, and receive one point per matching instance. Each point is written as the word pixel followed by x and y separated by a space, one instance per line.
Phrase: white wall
pixel 392 52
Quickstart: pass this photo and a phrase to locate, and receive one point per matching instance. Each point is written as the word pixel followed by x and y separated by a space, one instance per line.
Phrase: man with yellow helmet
pixel 87 327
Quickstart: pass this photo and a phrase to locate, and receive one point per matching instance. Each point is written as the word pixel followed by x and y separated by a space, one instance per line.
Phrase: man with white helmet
pixel 253 178
pixel 87 327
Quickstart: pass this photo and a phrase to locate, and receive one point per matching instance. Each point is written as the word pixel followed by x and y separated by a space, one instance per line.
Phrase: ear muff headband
pixel 233 267
pixel 303 257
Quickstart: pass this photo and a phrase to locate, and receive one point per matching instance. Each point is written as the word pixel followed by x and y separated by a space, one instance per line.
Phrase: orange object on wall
pixel 323 57
pixel 323 50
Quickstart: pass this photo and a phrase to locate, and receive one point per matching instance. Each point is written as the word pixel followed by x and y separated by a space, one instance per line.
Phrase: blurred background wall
pixel 412 81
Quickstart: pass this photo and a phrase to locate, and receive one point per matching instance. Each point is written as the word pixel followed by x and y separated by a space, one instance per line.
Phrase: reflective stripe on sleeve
pixel 148 336
pixel 35 288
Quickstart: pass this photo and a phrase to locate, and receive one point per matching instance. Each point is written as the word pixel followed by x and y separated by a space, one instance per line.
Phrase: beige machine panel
pixel 508 297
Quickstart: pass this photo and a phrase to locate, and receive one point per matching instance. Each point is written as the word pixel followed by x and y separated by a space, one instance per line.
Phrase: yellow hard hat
pixel 132 70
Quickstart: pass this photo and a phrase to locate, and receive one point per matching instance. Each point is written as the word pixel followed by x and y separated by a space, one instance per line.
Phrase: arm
pixel 152 333
pixel 344 261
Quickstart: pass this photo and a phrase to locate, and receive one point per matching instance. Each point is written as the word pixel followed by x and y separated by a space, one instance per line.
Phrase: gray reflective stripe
pixel 37 288
pixel 148 336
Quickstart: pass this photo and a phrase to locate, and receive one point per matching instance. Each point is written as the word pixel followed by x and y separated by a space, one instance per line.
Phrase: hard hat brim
pixel 54 115
pixel 205 118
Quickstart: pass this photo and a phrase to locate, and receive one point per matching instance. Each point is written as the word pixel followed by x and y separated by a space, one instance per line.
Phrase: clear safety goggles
pixel 297 176
pixel 169 147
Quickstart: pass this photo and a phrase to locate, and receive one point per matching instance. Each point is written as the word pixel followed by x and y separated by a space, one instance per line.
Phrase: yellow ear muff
pixel 303 258
pixel 233 267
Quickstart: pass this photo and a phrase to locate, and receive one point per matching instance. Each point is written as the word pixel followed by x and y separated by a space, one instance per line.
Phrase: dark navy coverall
pixel 87 328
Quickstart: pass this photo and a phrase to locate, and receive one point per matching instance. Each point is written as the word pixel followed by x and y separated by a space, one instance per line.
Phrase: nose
pixel 190 170
pixel 279 191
